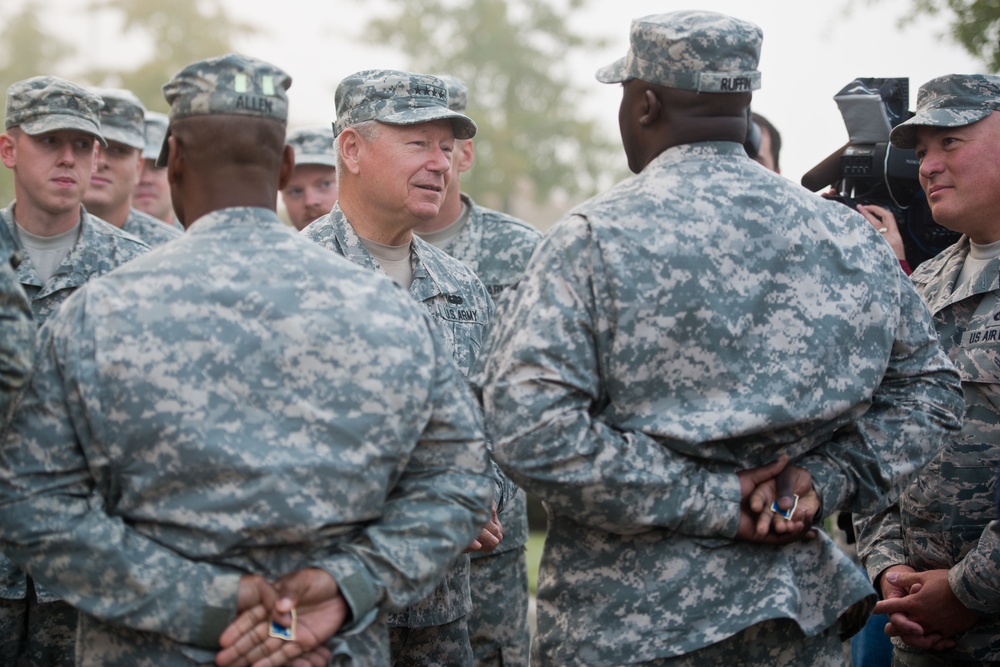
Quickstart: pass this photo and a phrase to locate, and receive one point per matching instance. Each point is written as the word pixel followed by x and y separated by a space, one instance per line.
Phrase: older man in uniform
pixel 673 337
pixel 312 190
pixel 117 167
pixel 497 247
pixel 51 126
pixel 935 555
pixel 395 140
pixel 206 447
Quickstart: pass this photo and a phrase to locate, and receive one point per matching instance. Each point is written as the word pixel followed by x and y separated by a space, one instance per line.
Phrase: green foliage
pixel 514 57
pixel 25 51
pixel 533 558
pixel 181 31
pixel 973 24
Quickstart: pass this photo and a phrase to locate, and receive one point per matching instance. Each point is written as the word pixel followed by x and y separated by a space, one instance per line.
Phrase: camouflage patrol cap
pixel 155 129
pixel 48 104
pixel 692 50
pixel 232 84
pixel 952 100
pixel 458 92
pixel 396 98
pixel 313 145
pixel 122 116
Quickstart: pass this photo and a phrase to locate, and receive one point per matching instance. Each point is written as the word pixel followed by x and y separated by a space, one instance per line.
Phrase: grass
pixel 533 556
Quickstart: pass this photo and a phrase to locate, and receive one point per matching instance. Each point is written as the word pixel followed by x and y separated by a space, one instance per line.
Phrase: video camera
pixel 870 170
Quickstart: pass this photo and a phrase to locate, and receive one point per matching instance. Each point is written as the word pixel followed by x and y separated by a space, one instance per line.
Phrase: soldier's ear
pixel 350 143
pixel 175 159
pixel 651 108
pixel 8 150
pixel 465 155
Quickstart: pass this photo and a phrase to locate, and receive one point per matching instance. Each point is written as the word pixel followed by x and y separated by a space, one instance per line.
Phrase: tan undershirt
pixel 394 260
pixel 48 252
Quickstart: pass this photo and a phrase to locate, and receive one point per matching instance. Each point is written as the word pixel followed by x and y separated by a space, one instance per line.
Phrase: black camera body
pixel 870 170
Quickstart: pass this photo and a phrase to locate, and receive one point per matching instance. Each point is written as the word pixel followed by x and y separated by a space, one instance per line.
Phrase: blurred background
pixel 549 136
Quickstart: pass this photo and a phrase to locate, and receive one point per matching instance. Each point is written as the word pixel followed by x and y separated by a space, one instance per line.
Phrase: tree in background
pixel 514 56
pixel 181 32
pixel 973 24
pixel 178 32
pixel 25 51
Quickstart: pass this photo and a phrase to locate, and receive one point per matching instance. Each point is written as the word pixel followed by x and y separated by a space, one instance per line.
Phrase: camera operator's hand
pixel 884 222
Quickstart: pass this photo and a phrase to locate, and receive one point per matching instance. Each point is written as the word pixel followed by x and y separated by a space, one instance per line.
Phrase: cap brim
pixel 130 139
pixel 161 159
pixel 616 72
pixel 463 126
pixel 58 123
pixel 324 160
pixel 904 135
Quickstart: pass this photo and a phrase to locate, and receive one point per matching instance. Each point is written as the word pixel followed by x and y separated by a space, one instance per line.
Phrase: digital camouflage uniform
pixel 459 303
pixel 123 120
pixel 434 630
pixel 497 247
pixel 313 145
pixel 702 318
pixel 100 248
pixel 219 419
pixel 946 518
pixel 151 230
pixel 17 346
pixel 36 106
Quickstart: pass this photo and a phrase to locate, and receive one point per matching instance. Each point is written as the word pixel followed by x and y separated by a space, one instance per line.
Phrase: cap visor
pixel 324 160
pixel 463 126
pixel 616 72
pixel 161 159
pixel 904 135
pixel 130 139
pixel 55 123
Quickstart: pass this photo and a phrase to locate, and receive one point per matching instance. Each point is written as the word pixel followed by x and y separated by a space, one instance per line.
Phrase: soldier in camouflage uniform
pixel 943 533
pixel 200 425
pixel 51 125
pixel 497 247
pixel 673 336
pixel 312 191
pixel 152 193
pixel 18 341
pixel 396 136
pixel 117 168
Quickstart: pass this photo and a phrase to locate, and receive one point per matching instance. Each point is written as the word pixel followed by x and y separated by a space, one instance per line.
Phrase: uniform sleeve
pixel 437 507
pixel 975 579
pixel 54 524
pixel 17 345
pixel 914 411
pixel 880 542
pixel 542 394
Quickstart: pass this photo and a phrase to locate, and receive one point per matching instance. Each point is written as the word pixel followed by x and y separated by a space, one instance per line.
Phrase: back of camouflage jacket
pixel 701 318
pixel 238 401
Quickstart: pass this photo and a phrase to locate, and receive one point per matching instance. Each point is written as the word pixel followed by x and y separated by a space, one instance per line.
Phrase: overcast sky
pixel 811 50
